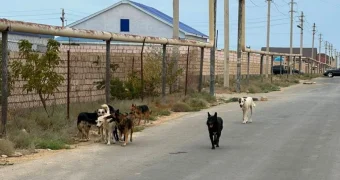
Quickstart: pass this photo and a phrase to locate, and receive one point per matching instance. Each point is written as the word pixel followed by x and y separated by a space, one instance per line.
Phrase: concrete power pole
pixel 226 44
pixel 335 58
pixel 212 56
pixel 313 48
pixel 330 54
pixel 326 47
pixel 176 19
pixel 175 36
pixel 301 40
pixel 62 18
pixel 240 41
pixel 313 41
pixel 268 36
pixel 320 41
pixel 291 34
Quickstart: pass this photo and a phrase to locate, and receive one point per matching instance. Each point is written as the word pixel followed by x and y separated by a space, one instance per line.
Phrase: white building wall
pixel 140 22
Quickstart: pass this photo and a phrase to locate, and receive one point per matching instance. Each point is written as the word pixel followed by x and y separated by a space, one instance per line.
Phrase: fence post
pixel 186 74
pixel 272 62
pixel 289 70
pixel 4 85
pixel 68 85
pixel 261 64
pixel 164 73
pixel 107 76
pixel 261 67
pixel 142 71
pixel 248 67
pixel 212 71
pixel 294 65
pixel 201 71
pixel 280 65
pixel 300 63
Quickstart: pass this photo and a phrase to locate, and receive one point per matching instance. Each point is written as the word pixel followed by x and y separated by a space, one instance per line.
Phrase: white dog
pixel 108 124
pixel 246 104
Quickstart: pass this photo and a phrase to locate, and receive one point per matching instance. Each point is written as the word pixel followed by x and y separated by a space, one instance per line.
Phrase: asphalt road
pixel 294 136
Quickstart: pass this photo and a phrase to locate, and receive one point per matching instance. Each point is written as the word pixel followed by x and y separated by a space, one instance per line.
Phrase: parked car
pixel 284 70
pixel 332 72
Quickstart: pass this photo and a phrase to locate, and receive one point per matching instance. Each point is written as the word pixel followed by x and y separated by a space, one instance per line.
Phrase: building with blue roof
pixel 130 17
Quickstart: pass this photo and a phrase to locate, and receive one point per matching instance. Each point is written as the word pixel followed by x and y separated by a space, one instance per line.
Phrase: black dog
pixel 86 119
pixel 215 126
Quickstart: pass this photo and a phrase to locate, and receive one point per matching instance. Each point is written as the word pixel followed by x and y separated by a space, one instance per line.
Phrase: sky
pixel 323 13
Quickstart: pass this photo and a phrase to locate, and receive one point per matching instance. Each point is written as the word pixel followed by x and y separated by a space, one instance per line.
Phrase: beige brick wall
pixel 87 65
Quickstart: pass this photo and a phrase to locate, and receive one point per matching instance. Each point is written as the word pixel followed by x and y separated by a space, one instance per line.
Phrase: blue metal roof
pixel 168 19
pixel 150 11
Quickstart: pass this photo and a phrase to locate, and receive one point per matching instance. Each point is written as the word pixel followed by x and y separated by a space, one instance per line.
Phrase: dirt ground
pixel 94 136
pixel 38 153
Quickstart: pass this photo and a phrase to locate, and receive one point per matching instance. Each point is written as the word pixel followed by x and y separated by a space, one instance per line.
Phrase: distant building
pixel 130 17
pixel 306 52
pixel 39 41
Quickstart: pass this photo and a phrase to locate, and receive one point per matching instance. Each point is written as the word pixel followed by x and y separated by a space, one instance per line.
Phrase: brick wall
pixel 87 65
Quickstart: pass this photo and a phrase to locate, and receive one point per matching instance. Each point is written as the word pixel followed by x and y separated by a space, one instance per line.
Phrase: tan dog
pixel 142 110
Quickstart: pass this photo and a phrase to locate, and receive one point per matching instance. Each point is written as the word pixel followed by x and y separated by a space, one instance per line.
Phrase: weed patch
pixel 6 147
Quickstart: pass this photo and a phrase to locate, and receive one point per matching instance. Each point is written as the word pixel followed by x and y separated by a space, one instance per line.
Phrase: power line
pixel 37 10
pixel 32 15
pixel 235 23
pixel 279 10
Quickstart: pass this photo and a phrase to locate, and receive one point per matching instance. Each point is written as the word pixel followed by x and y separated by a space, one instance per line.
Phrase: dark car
pixel 284 70
pixel 332 72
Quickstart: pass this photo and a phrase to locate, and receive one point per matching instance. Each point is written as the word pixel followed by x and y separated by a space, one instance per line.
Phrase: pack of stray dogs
pixel 112 124
pixel 215 123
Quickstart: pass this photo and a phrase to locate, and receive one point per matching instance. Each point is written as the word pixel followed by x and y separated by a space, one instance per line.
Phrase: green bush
pixel 181 107
pixel 204 95
pixel 50 144
pixel 197 104
pixel 117 89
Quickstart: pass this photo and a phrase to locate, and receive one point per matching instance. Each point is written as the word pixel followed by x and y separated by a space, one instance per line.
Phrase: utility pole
pixel 226 44
pixel 326 47
pixel 335 58
pixel 62 18
pixel 212 56
pixel 301 39
pixel 313 41
pixel 330 54
pixel 312 65
pixel 320 41
pixel 291 34
pixel 268 36
pixel 240 41
pixel 175 36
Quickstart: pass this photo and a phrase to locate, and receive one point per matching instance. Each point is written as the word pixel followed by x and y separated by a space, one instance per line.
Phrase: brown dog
pixel 142 110
pixel 125 126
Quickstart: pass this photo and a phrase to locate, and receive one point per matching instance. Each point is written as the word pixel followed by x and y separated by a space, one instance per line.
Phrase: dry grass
pixel 31 128
pixel 257 84
pixel 6 147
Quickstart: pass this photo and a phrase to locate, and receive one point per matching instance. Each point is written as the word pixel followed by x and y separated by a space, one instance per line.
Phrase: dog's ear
pixel 215 115
pixel 209 114
pixel 239 100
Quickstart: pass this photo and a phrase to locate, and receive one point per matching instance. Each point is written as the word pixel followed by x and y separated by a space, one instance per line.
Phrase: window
pixel 124 25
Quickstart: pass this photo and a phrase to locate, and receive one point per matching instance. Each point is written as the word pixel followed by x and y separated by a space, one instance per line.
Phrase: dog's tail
pixel 106 107
pixel 253 104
